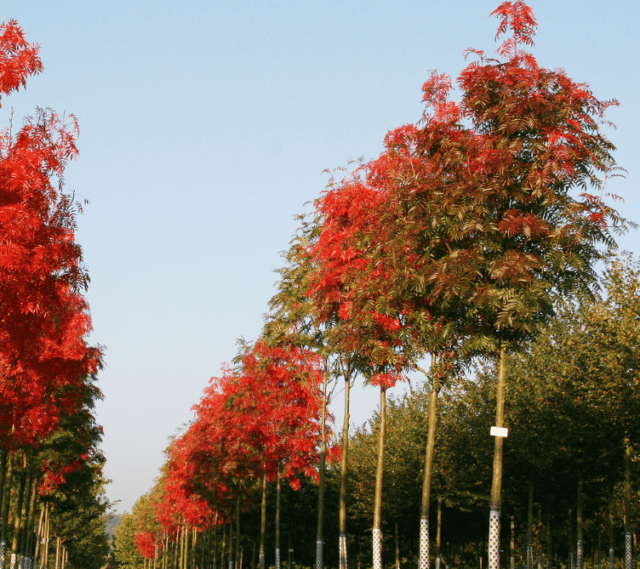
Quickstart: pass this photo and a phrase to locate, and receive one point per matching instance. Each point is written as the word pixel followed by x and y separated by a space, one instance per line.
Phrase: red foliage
pixel 43 317
pixel 146 544
pixel 261 419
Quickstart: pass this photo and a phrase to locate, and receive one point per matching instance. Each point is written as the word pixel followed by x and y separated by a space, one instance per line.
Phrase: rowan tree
pixel 491 209
pixel 43 318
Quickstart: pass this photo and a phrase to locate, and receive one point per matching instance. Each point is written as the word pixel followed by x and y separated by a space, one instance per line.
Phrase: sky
pixel 206 127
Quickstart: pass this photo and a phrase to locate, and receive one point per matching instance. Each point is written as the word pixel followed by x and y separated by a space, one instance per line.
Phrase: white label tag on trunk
pixel 499 432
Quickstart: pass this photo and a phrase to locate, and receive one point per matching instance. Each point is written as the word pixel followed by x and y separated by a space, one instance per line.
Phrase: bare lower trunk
pixel 215 541
pixel 439 533
pixel 5 507
pixel 628 549
pixel 238 552
pixel 496 486
pixel 397 536
pixel 323 459
pixel 344 465
pixel 28 521
pixel 512 545
pixel 231 557
pixel 278 490
pixel 530 527
pixel 25 483
pixel 425 554
pixel 39 536
pixel 194 538
pixel 223 546
pixel 47 525
pixel 263 521
pixel 377 508
pixel 579 544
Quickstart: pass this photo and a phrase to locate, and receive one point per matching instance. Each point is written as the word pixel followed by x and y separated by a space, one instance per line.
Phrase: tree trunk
pixel 278 490
pixel 549 543
pixel 530 527
pixel 47 525
pixel 231 556
pixel 512 545
pixel 571 564
pixel 58 553
pixel 439 533
pixel 425 554
pixel 6 501
pixel 223 546
pixel 377 508
pixel 204 547
pixel 496 485
pixel 263 521
pixel 4 456
pixel 580 543
pixel 39 536
pixel 628 550
pixel 289 552
pixel 397 536
pixel 323 460
pixel 185 553
pixel 238 556
pixel 26 539
pixel 194 540
pixel 344 465
pixel 215 541
pixel 25 482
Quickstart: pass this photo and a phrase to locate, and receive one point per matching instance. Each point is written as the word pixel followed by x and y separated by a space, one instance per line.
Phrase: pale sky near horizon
pixel 205 126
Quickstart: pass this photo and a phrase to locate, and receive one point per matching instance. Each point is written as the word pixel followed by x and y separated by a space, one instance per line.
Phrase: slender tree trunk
pixel 231 549
pixel 194 538
pixel 530 527
pixel 165 550
pixel 425 554
pixel 344 466
pixel 549 542
pixel 238 552
pixel 599 556
pixel 628 536
pixel 25 482
pixel 47 525
pixel 263 521
pixel 223 548
pixel 6 501
pixel 183 546
pixel 323 460
pixel 580 543
pixel 496 485
pixel 4 457
pixel 278 490
pixel 28 521
pixel 571 564
pixel 397 539
pixel 215 541
pixel 539 535
pixel 289 551
pixel 58 552
pixel 203 548
pixel 512 545
pixel 39 536
pixel 439 533
pixel 377 508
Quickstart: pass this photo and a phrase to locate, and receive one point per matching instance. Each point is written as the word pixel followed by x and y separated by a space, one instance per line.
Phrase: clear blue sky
pixel 205 128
